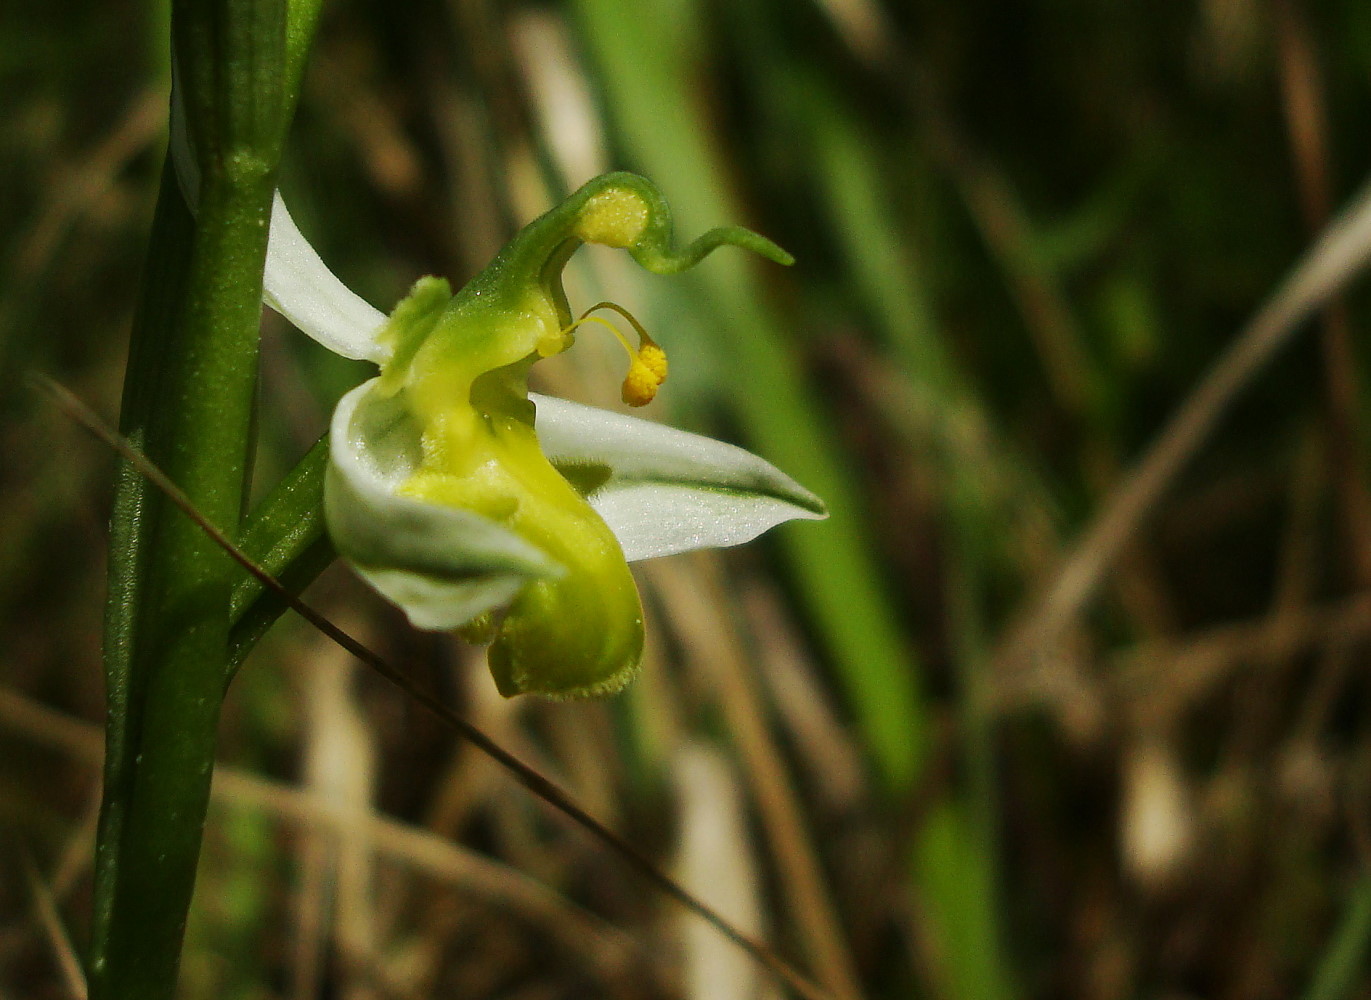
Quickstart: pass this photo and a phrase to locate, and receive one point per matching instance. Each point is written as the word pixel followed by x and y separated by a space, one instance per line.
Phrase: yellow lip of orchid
pixel 507 517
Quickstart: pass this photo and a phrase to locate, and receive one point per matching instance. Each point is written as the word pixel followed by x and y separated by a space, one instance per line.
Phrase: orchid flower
pixel 509 517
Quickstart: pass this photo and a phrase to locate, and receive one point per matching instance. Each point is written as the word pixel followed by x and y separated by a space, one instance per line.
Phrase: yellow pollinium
pixel 647 365
pixel 645 375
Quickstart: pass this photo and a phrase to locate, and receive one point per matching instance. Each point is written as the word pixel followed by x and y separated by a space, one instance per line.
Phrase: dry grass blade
pixel 540 786
pixel 1338 255
pixel 693 592
pixel 1169 680
pixel 336 863
pixel 1306 115
pixel 612 952
pixel 140 125
pixel 417 849
pixel 67 961
pixel 716 857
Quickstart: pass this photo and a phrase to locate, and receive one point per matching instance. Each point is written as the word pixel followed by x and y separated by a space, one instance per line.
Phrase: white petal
pixel 669 491
pixel 442 566
pixel 299 286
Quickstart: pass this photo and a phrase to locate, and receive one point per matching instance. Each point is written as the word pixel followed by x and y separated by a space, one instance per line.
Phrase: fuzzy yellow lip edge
pixel 458 367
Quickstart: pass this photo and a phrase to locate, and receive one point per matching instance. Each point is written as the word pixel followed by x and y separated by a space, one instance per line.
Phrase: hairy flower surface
pixel 505 516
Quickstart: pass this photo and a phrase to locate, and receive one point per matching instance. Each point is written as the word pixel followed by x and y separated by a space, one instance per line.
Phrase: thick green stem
pixel 163 284
pixel 188 404
pixel 176 665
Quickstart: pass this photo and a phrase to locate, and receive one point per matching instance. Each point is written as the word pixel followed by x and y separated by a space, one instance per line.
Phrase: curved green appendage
pixel 516 310
pixel 621 210
pixel 659 259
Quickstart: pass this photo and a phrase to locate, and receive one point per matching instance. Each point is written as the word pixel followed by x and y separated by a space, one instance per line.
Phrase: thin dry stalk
pixel 580 738
pixel 1173 677
pixel 343 764
pixel 337 863
pixel 1258 700
pixel 716 858
pixel 694 596
pixel 47 728
pixel 76 857
pixel 805 708
pixel 1006 229
pixel 611 951
pixel 68 964
pixel 310 923
pixel 1336 663
pixel 540 786
pixel 380 138
pixel 469 779
pixel 1328 266
pixel 1298 559
pixel 1004 226
pixel 1306 117
pixel 71 197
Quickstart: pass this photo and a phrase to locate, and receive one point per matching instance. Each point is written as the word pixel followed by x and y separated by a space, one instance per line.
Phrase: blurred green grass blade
pixel 855 190
pixel 955 856
pixel 1343 967
pixel 646 73
pixel 1083 236
pixel 645 87
pixel 968 839
pixel 859 187
pixel 882 265
pixel 951 870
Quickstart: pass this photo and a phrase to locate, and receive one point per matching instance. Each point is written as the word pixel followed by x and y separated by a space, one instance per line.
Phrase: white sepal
pixel 296 282
pixel 299 286
pixel 666 490
pixel 441 565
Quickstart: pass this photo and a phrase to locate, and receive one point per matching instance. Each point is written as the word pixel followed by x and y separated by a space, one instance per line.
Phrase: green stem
pixel 176 682
pixel 188 404
pixel 163 284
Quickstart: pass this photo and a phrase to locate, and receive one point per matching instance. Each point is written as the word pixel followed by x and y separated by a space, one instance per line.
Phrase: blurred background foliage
pixel 1025 232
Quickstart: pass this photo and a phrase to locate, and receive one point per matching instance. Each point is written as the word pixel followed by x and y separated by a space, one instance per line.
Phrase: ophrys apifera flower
pixel 510 518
